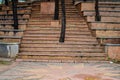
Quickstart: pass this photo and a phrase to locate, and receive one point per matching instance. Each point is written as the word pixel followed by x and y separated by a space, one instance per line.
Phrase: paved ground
pixel 62 71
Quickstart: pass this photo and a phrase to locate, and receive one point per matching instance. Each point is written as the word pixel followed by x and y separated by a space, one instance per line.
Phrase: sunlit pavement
pixel 62 71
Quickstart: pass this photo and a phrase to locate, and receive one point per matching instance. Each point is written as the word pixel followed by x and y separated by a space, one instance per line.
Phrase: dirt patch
pixel 5 65
pixel 90 77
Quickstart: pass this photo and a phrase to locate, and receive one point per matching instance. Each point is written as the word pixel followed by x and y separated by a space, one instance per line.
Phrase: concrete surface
pixel 62 71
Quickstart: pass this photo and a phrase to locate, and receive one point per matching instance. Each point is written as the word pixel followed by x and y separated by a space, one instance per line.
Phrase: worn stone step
pixel 10 37
pixel 76 23
pixel 41 39
pixel 41 16
pixel 62 60
pixel 109 8
pixel 104 25
pixel 57 28
pixel 69 11
pixel 57 39
pixel 62 54
pixel 41 32
pixel 56 42
pixel 42 20
pixel 57 32
pixel 59 45
pixel 43 27
pixel 82 25
pixel 104 19
pixel 109 4
pixel 100 33
pixel 39 23
pixel 60 50
pixel 102 13
pixel 57 35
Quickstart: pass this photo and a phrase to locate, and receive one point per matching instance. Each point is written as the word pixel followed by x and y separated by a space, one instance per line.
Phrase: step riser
pixel 104 19
pixel 60 45
pixel 60 60
pixel 61 50
pixel 102 13
pixel 104 26
pixel 64 54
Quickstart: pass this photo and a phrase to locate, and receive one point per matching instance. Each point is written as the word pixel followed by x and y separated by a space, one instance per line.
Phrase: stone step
pixel 56 42
pixel 69 20
pixel 42 25
pixel 47 30
pixel 57 28
pixel 11 30
pixel 61 59
pixel 104 25
pixel 62 54
pixel 69 11
pixel 102 13
pixel 82 25
pixel 102 33
pixel 104 19
pixel 39 23
pixel 10 37
pixel 57 32
pixel 42 20
pixel 27 45
pixel 109 4
pixel 76 23
pixel 57 39
pixel 57 35
pixel 109 8
pixel 59 50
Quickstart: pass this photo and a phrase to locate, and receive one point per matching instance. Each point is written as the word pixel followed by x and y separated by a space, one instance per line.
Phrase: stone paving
pixel 62 71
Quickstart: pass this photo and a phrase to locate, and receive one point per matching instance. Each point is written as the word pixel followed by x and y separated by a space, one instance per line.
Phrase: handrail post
pixel 63 27
pixel 6 2
pixel 15 17
pixel 97 14
pixel 56 13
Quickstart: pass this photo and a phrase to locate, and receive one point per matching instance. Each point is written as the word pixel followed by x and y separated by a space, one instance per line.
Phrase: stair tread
pixel 57 42
pixel 59 45
pixel 62 54
pixel 60 50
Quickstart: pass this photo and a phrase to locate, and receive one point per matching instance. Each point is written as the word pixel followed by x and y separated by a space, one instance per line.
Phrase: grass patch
pixel 5 62
pixel 114 60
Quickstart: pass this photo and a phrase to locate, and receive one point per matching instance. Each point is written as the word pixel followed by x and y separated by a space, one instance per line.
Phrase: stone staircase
pixel 41 38
pixel 7 32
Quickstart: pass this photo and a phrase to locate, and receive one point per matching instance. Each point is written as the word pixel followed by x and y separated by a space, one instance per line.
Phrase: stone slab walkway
pixel 62 71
